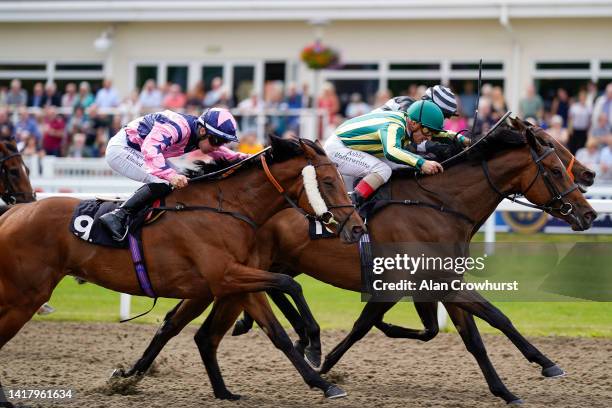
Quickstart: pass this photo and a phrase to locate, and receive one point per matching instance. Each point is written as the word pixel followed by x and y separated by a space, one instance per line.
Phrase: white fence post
pixel 490 234
pixel 124 306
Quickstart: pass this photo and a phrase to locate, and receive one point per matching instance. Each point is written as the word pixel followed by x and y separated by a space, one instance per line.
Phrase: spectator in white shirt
pixel 151 96
pixel 213 96
pixel 603 104
pixel 557 130
pixel 589 155
pixel 601 130
pixel 605 163
pixel 579 120
pixel 356 106
pixel 107 96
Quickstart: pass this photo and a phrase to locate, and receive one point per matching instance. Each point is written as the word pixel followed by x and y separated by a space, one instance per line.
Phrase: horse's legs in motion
pixel 371 314
pixel 479 306
pixel 464 322
pixel 221 318
pixel 12 320
pixel 302 345
pixel 428 312
pixel 173 324
pixel 240 279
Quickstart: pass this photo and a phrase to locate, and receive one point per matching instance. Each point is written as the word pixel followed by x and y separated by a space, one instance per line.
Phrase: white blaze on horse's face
pixel 311 186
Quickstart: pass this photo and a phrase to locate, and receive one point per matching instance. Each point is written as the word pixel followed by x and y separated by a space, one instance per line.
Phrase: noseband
pixel 10 195
pixel 565 208
pixel 327 218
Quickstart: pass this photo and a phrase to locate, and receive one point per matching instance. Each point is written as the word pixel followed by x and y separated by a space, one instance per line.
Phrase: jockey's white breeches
pixel 128 161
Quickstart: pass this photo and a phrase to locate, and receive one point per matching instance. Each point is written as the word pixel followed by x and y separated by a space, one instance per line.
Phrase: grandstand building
pixel 383 44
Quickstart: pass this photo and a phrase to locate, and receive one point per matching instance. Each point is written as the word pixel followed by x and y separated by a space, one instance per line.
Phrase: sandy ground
pixel 377 372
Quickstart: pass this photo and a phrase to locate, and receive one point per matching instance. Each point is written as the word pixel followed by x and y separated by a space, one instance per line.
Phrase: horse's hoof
pixel 553 372
pixel 516 402
pixel 229 396
pixel 313 357
pixel 335 392
pixel 118 373
pixel 240 328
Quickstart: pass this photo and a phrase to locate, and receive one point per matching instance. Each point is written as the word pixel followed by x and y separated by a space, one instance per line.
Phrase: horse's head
pixel 582 175
pixel 312 181
pixel 546 182
pixel 15 185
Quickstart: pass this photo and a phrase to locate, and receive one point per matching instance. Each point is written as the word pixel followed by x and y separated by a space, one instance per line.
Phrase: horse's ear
pixel 309 152
pixel 518 124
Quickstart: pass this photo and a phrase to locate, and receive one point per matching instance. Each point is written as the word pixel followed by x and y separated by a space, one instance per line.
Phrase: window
pixel 177 74
pixel 144 73
pixel 79 67
pixel 367 88
pixel 407 86
pixel 562 65
pixel 244 80
pixel 274 71
pixel 473 66
pixel 22 67
pixel 359 67
pixel 414 66
pixel 210 72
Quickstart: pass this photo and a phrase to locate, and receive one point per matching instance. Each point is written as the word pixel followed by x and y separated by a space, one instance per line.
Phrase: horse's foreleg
pixel 240 278
pixel 464 322
pixel 12 320
pixel 173 324
pixel 245 324
pixel 372 313
pixel 257 306
pixel 221 317
pixel 428 312
pixel 479 306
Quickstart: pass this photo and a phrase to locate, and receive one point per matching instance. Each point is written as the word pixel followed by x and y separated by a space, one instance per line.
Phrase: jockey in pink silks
pixel 140 149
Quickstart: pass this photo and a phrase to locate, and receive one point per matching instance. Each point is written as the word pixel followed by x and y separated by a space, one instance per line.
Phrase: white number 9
pixel 83 224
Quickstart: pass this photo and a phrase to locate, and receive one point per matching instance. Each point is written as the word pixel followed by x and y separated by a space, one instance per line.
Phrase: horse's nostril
pixel 590 216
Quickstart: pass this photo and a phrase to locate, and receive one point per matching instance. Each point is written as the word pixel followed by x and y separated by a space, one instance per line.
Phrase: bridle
pixel 327 218
pixel 565 208
pixel 10 195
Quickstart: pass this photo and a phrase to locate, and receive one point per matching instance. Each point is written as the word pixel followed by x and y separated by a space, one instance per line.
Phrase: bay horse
pixel 286 244
pixel 190 253
pixel 15 187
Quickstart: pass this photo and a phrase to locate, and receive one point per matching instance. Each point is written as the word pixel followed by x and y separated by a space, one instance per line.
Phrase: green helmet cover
pixel 428 114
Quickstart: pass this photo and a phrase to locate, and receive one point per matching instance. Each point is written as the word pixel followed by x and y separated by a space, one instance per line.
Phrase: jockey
pixel 357 144
pixel 140 149
pixel 446 101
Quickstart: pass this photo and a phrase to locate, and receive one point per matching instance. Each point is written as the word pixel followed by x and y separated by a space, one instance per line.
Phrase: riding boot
pixel 116 220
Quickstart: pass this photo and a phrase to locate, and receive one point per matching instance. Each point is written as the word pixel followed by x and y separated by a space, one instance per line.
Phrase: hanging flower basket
pixel 319 56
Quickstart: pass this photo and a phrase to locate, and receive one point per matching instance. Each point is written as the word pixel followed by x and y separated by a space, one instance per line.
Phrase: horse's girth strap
pixel 270 176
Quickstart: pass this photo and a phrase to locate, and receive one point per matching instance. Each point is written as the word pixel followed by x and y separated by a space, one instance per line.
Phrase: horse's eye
pixel 557 172
pixel 14 172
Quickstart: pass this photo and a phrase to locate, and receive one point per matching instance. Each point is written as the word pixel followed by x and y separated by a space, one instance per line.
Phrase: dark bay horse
pixel 190 254
pixel 287 245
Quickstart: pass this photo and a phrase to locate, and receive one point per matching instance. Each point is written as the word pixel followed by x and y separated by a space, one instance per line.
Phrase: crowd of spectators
pixel 78 122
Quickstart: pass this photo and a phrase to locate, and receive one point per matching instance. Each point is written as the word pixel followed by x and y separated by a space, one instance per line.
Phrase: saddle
pixel 85 223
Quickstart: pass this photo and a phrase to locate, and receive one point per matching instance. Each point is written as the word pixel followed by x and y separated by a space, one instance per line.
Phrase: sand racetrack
pixel 377 372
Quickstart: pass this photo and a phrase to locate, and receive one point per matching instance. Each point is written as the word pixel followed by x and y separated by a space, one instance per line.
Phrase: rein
pixel 10 195
pixel 564 209
pixel 326 218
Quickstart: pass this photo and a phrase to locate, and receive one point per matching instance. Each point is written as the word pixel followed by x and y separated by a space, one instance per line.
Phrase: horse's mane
pixel 282 150
pixel 10 143
pixel 503 138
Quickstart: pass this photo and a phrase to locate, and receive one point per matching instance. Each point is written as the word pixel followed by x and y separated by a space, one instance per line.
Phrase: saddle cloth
pixel 86 225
